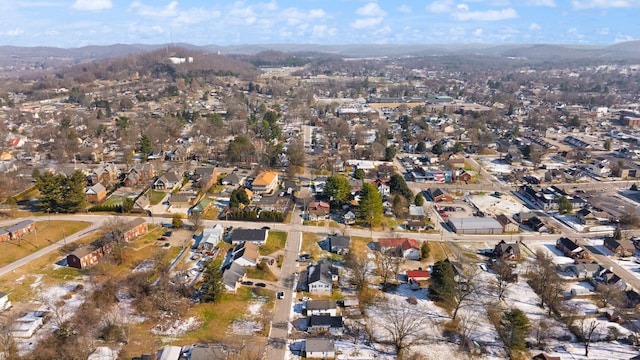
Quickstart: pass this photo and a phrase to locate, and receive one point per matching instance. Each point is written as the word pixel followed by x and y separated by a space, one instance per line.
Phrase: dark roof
pixel 568 243
pixel 320 271
pixel 208 353
pixel 249 235
pixel 19 226
pixel 326 321
pixel 339 241
pixel 319 345
pixel 503 219
pixel 232 178
pixel 504 248
pixel 321 304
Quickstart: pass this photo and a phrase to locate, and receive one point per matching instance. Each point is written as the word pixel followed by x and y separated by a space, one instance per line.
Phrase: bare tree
pixel 586 331
pixel 387 265
pixel 467 323
pixel 501 283
pixel 545 280
pixel 465 289
pixel 610 294
pixel 541 328
pixel 359 267
pixel 402 324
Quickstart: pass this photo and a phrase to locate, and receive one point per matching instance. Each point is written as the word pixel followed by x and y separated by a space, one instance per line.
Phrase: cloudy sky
pixel 74 23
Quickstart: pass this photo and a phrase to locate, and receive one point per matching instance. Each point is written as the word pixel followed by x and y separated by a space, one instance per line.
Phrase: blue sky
pixel 75 23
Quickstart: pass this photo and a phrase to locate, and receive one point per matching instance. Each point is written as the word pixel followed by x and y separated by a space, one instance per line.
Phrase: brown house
pixel 508 226
pixel 139 175
pixel 96 193
pixel 439 195
pixel 88 255
pixel 506 251
pixel 20 229
pixel 205 177
pixel 570 248
pixel 134 228
pixel 622 248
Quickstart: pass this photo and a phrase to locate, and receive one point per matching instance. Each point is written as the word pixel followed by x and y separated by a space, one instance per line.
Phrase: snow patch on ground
pixel 492 205
pixel 176 327
pixel 249 324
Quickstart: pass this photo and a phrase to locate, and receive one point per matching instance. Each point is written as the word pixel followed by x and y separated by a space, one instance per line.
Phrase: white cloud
pixel 92 5
pixel 323 31
pixel 366 22
pixel 405 9
pixel 478 32
pixel 441 7
pixel 604 4
pixel 170 10
pixel 317 13
pixel 371 9
pixel 385 30
pixel 535 27
pixel 489 15
pixel 604 31
pixel 547 3
pixel 462 7
pixel 573 32
pixel 623 38
pixel 14 32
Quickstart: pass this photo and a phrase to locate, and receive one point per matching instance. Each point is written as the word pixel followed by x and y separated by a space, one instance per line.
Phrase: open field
pixel 46 233
pixel 275 241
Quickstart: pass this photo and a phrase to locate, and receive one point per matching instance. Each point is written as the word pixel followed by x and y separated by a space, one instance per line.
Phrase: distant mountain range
pixel 12 55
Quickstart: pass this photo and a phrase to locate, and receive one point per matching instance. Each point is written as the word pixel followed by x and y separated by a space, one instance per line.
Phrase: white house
pixel 320 277
pixel 211 237
pixel 319 348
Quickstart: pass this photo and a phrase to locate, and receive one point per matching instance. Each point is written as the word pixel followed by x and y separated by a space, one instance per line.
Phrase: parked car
pixel 261 284
pixel 247 283
pixel 280 295
pixel 167 233
pixel 162 238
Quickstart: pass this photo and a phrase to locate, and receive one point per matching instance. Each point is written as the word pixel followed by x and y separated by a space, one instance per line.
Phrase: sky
pixel 76 23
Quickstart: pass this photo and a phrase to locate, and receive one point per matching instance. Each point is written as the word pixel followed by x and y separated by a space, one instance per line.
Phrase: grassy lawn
pixel 437 253
pixel 359 244
pixel 266 274
pixel 310 244
pixel 155 196
pixel 212 214
pixel 46 234
pixel 113 201
pixel 275 241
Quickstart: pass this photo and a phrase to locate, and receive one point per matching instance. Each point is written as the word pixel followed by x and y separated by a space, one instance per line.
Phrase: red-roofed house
pixel 406 248
pixel 418 275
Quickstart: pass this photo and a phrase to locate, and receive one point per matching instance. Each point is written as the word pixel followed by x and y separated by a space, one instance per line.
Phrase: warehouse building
pixel 475 225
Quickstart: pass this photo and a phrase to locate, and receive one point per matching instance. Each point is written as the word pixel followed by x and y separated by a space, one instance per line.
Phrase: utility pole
pixel 64 237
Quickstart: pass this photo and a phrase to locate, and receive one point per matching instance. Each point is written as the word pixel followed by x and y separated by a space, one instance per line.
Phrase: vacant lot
pixel 46 233
pixel 275 241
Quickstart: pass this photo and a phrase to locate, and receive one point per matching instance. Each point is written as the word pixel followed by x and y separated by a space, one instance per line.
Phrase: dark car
pixel 162 238
pixel 167 234
pixel 248 283
pixel 261 284
pixel 280 295
pixel 266 228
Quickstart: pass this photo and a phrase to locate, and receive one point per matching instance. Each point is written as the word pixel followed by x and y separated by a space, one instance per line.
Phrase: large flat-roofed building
pixel 475 225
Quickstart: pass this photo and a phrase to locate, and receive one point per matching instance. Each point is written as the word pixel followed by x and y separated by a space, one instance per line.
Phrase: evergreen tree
pixel 238 196
pixel 442 284
pixel 564 205
pixel 61 193
pixel 425 250
pixel 389 153
pixel 397 185
pixel 514 326
pixel 359 174
pixel 370 207
pixel 145 146
pixel 337 188
pixel 419 201
pixel 213 288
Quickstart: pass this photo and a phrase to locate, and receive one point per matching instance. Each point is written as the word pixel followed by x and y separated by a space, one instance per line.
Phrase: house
pixel 258 236
pixel 233 179
pixel 134 229
pixel 205 177
pixel 171 353
pixel 139 175
pixel 320 307
pixel 181 201
pixel 506 251
pixel 20 229
pixel 320 277
pixel 439 195
pixel 623 248
pixel 88 255
pixel 27 325
pixel 537 224
pixel 592 217
pixel 318 210
pixel 418 275
pixel 232 275
pixel 462 176
pixel 319 348
pixel 508 226
pixel 349 217
pixel 325 323
pixel 167 181
pixel 524 217
pixel 569 248
pixel 608 277
pixel 4 235
pixel 208 353
pixel 339 244
pixel 245 254
pixel 417 225
pixel 210 237
pixel 401 247
pixel 584 270
pixel 265 182
pixel 416 212
pixel 4 302
pixel 96 193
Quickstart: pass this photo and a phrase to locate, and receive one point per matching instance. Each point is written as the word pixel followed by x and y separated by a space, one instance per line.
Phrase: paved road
pixel 280 323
